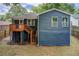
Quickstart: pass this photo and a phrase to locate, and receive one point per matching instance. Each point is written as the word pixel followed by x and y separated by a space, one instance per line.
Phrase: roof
pixel 26 16
pixel 34 15
pixel 17 17
pixel 31 16
pixel 4 23
pixel 56 10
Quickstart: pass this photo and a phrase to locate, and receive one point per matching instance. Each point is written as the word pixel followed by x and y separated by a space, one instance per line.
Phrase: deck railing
pixel 17 27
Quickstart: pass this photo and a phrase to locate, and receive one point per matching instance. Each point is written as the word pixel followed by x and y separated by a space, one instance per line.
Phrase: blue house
pixel 54 28
pixel 49 28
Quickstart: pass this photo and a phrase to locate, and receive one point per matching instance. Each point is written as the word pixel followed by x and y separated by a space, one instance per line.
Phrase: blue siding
pixel 47 38
pixel 53 36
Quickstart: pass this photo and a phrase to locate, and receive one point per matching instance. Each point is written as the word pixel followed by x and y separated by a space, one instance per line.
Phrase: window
pixel 31 22
pixel 25 21
pixel 65 22
pixel 54 21
pixel 20 21
pixel 13 21
pixel 16 21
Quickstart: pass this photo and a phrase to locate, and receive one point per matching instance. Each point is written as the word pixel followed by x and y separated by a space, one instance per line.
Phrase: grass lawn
pixel 13 50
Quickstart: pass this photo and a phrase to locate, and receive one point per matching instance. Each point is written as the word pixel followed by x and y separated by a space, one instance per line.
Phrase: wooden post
pixel 5 33
pixel 10 36
pixel 19 21
pixel 31 37
pixel 21 38
pixel 10 32
pixel 28 38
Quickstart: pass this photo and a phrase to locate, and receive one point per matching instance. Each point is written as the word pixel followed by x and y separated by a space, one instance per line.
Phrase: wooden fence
pixel 75 31
pixel 4 31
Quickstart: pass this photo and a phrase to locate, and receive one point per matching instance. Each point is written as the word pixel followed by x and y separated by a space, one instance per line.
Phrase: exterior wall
pixel 53 36
pixel 74 21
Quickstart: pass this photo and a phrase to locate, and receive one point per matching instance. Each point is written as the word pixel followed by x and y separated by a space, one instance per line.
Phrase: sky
pixel 77 5
pixel 28 6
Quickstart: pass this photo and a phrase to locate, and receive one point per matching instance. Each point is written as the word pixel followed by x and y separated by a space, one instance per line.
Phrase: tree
pixel 62 6
pixel 2 17
pixel 15 10
pixel 76 11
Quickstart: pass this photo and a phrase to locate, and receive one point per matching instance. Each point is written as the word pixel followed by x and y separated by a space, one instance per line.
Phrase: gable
pixel 53 13
pixel 55 10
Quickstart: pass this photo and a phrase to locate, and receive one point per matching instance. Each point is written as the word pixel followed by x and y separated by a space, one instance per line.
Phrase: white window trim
pixel 27 22
pixel 31 23
pixel 66 22
pixel 57 21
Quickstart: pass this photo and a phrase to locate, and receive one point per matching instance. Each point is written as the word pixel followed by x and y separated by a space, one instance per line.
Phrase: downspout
pixel 70 26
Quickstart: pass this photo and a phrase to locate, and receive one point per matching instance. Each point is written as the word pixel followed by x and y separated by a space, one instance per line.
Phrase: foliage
pixel 62 6
pixel 16 10
pixel 2 17
pixel 76 11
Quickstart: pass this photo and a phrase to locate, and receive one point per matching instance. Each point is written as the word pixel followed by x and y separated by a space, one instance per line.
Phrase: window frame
pixel 53 22
pixel 20 21
pixel 65 22
pixel 32 22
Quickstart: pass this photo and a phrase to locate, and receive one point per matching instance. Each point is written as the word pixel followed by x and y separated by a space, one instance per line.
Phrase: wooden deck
pixel 13 27
pixel 23 27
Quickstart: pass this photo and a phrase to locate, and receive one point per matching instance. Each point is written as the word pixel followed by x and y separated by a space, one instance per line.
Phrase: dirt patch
pixel 29 50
